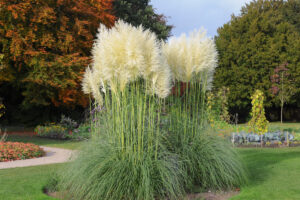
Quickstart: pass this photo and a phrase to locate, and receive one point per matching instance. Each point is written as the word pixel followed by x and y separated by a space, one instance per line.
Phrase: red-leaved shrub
pixel 19 151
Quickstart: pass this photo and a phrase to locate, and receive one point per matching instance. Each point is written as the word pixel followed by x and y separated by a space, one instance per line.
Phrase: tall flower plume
pixel 191 58
pixel 124 54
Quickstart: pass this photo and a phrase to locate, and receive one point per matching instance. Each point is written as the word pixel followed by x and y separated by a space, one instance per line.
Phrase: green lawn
pixel 278 125
pixel 66 144
pixel 285 125
pixel 25 183
pixel 273 174
pixel 292 127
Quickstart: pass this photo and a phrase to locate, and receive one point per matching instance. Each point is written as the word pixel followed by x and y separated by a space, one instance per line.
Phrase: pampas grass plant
pixel 208 161
pixel 126 158
pixel 147 145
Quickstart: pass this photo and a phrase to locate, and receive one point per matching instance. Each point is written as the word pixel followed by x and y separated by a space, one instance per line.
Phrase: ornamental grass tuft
pixel 104 171
pixel 208 161
pixel 146 144
pixel 126 158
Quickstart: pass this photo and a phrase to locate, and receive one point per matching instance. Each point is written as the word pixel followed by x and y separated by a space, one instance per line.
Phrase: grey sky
pixel 188 15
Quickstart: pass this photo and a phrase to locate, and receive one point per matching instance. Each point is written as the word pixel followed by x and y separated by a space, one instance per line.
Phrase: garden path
pixel 52 156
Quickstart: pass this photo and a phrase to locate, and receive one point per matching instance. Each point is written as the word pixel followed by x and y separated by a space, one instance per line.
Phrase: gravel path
pixel 53 155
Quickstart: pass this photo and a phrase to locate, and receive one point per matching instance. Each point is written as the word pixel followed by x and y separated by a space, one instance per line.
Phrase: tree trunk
pixel 281 113
pixel 282 98
pixel 261 141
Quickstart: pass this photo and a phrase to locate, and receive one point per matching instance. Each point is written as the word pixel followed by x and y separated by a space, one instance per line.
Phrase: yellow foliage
pixel 258 122
pixel 2 110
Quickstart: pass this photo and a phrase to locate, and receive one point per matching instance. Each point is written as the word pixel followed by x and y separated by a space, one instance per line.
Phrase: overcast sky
pixel 188 15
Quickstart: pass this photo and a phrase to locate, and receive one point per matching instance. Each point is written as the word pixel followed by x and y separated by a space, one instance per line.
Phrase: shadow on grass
pixel 260 162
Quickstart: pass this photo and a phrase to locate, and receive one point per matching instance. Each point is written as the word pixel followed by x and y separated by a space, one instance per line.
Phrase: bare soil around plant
pixel 221 195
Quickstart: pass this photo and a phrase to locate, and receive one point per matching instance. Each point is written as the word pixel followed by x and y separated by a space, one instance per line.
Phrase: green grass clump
pixel 209 162
pixel 103 171
pixel 214 164
pixel 125 158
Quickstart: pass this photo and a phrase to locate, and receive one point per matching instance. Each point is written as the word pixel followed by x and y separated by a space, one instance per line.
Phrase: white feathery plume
pixel 191 57
pixel 90 85
pixel 87 81
pixel 125 53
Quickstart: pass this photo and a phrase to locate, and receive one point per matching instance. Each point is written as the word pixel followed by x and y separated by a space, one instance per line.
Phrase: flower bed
pixel 10 151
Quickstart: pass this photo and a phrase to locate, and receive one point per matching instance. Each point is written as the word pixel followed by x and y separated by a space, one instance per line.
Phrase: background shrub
pixel 52 131
pixel 68 123
pixel 57 131
pixel 81 133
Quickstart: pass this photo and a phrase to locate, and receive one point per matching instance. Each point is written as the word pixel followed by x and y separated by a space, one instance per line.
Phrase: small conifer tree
pixel 258 122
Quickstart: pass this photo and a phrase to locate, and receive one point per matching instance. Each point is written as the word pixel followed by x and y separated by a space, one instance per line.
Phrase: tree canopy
pixel 250 46
pixel 46 46
pixel 140 12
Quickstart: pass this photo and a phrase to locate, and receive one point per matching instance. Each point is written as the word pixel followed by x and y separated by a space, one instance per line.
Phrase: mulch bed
pixel 21 133
pixel 212 195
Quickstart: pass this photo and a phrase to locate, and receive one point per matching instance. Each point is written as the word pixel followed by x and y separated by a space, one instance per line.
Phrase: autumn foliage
pixel 45 46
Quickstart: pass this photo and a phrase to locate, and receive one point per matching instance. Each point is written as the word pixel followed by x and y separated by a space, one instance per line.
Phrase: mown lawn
pixel 66 144
pixel 273 174
pixel 285 125
pixel 25 183
pixel 292 127
pixel 282 126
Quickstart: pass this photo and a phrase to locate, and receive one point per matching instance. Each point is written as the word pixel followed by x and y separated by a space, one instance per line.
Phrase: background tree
pixel 282 86
pixel 137 12
pixel 217 106
pixel 45 47
pixel 252 45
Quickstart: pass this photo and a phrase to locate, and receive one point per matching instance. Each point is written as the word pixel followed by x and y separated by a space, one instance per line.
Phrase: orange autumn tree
pixel 45 46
